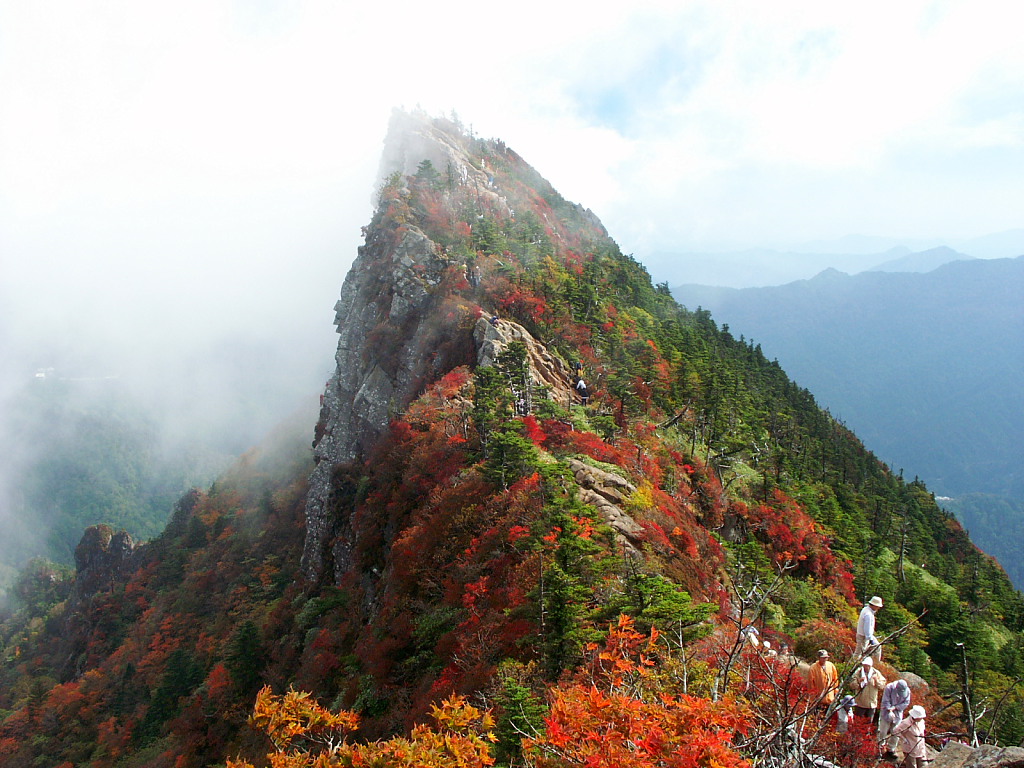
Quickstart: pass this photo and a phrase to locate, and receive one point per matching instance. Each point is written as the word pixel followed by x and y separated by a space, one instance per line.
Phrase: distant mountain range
pixel 851 254
pixel 922 261
pixel 925 367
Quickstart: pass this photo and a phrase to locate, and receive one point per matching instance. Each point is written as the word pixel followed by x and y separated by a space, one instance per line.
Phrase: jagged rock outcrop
pixel 546 369
pixel 956 755
pixel 395 335
pixel 606 491
pixel 390 335
pixel 102 558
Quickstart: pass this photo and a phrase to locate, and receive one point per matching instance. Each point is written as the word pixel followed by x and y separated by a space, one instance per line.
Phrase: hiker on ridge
pixel 822 681
pixel 582 391
pixel 867 643
pixel 868 683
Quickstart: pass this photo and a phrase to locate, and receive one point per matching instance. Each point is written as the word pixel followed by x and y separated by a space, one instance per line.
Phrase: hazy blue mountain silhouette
pixel 922 261
pixel 926 368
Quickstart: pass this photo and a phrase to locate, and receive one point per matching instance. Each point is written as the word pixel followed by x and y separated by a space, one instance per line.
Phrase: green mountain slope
pixel 925 368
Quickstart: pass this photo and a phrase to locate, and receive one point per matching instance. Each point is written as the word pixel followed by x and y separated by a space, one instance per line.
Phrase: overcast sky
pixel 169 170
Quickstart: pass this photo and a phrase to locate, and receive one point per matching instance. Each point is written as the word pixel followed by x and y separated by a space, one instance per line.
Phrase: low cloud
pixel 182 188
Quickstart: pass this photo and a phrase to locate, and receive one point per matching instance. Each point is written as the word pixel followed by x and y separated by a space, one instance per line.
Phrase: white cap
pixel 868 661
pixel 917 712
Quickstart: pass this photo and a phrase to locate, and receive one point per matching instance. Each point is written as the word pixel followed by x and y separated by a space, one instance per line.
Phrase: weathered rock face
pixel 102 558
pixel 607 491
pixel 956 755
pixel 395 335
pixel 546 369
pixel 390 328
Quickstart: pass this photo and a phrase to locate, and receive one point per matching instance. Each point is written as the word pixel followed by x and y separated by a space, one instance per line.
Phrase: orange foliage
pixel 611 730
pixel 608 727
pixel 294 722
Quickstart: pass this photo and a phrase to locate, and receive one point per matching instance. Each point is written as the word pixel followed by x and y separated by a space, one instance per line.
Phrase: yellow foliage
pixel 642 499
pixel 294 722
pixel 297 717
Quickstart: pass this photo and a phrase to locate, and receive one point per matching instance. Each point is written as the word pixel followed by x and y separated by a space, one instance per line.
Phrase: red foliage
pixel 524 306
pixel 857 748
pixel 533 430
pixel 837 637
pixel 600 725
pixel 562 439
pixel 791 535
pixel 655 534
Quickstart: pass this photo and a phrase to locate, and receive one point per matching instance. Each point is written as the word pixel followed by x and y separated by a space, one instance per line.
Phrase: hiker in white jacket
pixel 867 643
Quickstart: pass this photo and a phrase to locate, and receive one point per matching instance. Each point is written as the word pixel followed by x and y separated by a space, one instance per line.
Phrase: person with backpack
pixel 582 391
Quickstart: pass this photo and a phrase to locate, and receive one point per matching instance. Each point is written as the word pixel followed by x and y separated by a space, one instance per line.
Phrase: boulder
pixel 956 755
pixel 546 369
pixel 102 559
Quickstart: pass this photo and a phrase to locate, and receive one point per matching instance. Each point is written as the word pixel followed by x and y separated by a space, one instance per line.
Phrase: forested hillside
pixel 516 570
pixel 924 367
pixel 87 443
pixel 81 452
pixel 996 524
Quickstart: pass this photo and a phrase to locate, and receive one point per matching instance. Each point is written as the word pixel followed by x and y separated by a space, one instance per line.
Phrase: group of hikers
pixel 881 702
pixel 887 705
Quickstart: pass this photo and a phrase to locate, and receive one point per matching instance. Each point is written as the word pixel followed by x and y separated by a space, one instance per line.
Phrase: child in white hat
pixel 911 735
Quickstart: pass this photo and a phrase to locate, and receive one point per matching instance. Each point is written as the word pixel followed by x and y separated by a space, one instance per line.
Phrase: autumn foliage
pixel 307 735
pixel 597 724
pixel 464 545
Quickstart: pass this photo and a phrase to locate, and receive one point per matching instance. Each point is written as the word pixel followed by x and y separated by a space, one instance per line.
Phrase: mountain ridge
pixel 907 360
pixel 475 526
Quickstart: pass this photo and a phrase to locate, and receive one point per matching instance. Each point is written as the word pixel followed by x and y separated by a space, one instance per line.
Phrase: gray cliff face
pixel 399 330
pixel 102 558
pixel 385 323
pixel 391 327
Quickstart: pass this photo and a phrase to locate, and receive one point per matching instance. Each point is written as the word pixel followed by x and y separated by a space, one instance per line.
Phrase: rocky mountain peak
pixel 102 558
pixel 412 306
